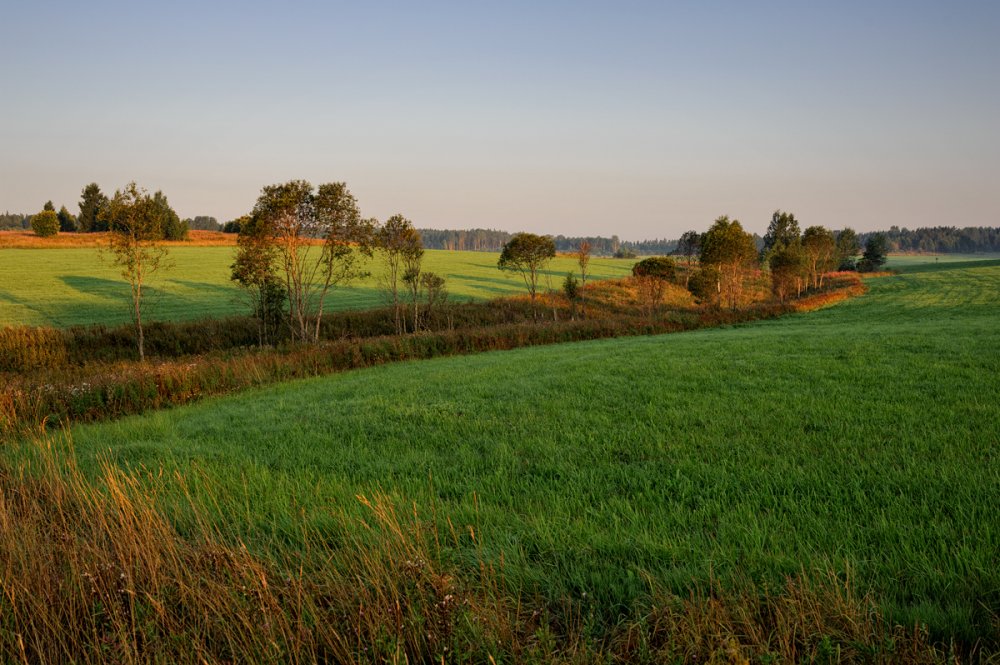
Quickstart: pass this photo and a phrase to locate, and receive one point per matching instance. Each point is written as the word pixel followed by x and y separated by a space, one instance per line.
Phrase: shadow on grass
pixel 941 266
pixel 500 285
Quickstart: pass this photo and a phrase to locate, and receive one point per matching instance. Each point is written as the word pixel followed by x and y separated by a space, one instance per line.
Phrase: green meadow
pixel 65 287
pixel 862 438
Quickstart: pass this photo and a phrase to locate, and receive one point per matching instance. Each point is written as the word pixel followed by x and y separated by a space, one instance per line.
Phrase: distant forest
pixel 491 240
pixel 943 239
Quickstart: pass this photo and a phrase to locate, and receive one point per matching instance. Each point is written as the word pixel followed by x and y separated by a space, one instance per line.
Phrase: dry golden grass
pixel 28 240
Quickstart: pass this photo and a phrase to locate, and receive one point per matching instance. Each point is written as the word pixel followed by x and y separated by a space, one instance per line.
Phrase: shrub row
pixel 109 390
pixel 24 349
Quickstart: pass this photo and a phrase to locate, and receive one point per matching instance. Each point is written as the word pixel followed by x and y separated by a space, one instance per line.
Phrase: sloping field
pixel 64 287
pixel 863 438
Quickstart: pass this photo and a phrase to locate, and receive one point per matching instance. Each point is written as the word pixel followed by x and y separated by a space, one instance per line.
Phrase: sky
pixel 641 119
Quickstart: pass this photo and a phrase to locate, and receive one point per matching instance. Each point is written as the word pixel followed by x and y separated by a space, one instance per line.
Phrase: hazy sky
pixel 637 118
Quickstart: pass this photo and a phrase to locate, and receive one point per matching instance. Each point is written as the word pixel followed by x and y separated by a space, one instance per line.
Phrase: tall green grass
pixel 64 287
pixel 858 438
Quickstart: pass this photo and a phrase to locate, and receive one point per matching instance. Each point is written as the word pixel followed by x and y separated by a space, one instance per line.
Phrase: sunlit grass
pixel 63 287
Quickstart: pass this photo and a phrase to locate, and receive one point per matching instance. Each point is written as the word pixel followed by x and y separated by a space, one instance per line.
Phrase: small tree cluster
pixel 797 261
pixel 729 254
pixel 652 276
pixel 309 240
pixel 95 215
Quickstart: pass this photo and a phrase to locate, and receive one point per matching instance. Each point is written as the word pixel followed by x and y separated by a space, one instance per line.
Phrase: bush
pixel 704 285
pixel 660 267
pixel 571 287
pixel 45 224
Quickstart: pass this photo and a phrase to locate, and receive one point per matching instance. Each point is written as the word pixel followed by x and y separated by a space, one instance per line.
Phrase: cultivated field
pixel 860 439
pixel 73 286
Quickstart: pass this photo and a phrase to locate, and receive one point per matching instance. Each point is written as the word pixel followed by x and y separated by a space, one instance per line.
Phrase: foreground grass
pixel 72 286
pixel 103 577
pixel 860 439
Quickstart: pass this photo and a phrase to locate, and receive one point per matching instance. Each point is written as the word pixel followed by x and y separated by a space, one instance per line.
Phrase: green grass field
pixel 64 287
pixel 860 438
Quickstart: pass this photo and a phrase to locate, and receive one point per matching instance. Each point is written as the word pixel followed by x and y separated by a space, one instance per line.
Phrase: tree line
pixel 942 239
pixel 95 217
pixel 938 239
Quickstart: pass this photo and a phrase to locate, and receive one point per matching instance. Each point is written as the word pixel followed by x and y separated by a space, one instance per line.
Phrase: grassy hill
pixel 72 286
pixel 862 439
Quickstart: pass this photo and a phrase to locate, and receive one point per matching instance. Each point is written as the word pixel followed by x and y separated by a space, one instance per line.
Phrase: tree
pixel 45 224
pixel 173 227
pixel 571 289
pixel 287 211
pixel 819 250
pixel 731 251
pixel 67 222
pixel 253 269
pixel 782 232
pixel 583 260
pixel 787 270
pixel 848 246
pixel 348 240
pixel 652 275
pixel 234 225
pixel 203 223
pixel 704 285
pixel 625 253
pixel 401 250
pixel 527 254
pixel 874 257
pixel 435 293
pixel 93 210
pixel 135 222
pixel 48 207
pixel 688 246
pixel 317 239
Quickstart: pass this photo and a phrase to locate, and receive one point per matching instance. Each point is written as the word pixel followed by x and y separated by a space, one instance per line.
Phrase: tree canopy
pixel 876 249
pixel 93 210
pixel 731 251
pixel 401 250
pixel 848 246
pixel 782 232
pixel 527 254
pixel 820 252
pixel 295 217
pixel 67 222
pixel 657 267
